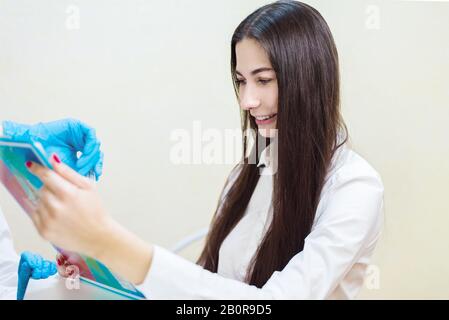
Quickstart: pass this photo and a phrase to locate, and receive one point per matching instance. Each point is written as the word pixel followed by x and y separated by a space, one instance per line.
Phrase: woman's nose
pixel 249 101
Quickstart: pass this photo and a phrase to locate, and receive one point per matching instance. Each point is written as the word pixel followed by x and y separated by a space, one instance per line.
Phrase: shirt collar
pixel 268 156
pixel 263 159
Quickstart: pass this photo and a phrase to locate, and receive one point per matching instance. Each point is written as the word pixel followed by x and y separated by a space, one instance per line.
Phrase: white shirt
pixel 9 262
pixel 336 253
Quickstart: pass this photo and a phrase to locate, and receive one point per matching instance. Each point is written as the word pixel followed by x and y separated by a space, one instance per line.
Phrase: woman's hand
pixel 70 213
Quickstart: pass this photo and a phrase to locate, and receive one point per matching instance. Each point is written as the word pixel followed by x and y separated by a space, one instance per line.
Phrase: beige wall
pixel 138 70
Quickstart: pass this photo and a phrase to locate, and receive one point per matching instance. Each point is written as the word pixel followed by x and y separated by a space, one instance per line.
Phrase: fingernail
pixel 59 262
pixel 56 158
pixel 28 164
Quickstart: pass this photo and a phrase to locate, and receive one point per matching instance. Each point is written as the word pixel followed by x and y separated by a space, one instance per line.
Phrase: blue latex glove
pixel 33 266
pixel 66 138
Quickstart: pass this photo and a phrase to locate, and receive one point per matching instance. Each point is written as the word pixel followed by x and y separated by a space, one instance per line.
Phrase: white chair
pixel 190 239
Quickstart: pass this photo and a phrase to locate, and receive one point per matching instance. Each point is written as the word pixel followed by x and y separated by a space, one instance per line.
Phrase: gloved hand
pixel 33 266
pixel 66 138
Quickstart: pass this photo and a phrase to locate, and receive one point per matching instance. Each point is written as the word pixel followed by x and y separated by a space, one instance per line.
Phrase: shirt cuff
pixel 164 279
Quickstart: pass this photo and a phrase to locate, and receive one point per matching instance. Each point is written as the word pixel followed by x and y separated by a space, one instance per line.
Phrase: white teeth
pixel 265 117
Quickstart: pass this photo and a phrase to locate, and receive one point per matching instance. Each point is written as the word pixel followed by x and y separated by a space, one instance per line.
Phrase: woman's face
pixel 257 85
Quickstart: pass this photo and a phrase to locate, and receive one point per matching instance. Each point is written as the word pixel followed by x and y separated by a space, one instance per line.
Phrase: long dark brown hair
pixel 304 57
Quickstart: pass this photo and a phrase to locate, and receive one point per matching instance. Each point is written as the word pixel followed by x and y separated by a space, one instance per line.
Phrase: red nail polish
pixel 59 262
pixel 56 158
pixel 28 164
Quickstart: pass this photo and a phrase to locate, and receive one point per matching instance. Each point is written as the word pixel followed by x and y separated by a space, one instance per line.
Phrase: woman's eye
pixel 264 81
pixel 261 81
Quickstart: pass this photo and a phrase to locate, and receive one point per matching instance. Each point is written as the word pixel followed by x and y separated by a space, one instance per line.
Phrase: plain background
pixel 139 70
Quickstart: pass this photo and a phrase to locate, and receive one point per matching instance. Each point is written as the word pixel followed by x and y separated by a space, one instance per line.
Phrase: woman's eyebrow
pixel 256 71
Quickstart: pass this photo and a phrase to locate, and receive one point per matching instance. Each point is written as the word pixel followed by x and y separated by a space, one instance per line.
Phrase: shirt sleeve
pixel 351 222
pixel 9 261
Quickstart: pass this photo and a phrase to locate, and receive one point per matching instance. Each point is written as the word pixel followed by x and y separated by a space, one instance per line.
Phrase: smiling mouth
pixel 261 120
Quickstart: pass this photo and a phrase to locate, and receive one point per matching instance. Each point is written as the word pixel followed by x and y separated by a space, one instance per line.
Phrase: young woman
pixel 300 222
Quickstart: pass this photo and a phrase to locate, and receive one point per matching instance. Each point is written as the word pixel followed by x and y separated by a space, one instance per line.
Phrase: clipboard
pixel 24 187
